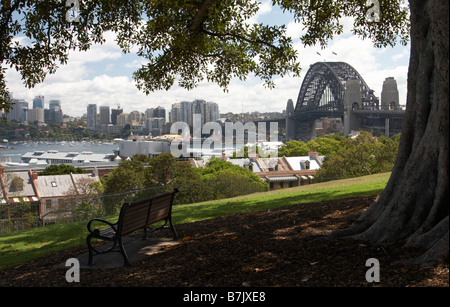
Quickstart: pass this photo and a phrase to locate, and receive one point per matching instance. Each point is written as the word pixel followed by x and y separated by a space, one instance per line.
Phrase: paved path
pixel 136 248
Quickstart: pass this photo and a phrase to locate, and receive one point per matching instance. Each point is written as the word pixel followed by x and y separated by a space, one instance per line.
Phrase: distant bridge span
pixel 324 85
pixel 334 89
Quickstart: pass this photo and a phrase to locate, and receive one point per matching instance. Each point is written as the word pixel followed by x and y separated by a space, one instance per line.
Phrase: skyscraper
pixel 198 107
pixel 159 112
pixel 213 111
pixel 54 112
pixel 175 113
pixel 38 102
pixel 54 105
pixel 149 113
pixel 36 114
pixel 114 114
pixel 92 116
pixel 104 115
pixel 186 112
pixel 18 111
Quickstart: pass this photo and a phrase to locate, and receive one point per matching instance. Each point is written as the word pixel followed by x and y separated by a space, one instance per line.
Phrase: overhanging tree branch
pixel 239 37
pixel 199 17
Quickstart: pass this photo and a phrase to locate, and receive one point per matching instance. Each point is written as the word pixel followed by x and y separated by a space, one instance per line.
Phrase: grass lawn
pixel 23 246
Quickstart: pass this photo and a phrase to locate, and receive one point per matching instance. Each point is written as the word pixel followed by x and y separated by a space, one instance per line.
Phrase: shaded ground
pixel 280 247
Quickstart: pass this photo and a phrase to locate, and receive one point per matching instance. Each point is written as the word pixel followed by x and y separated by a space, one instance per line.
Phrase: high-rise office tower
pixel 18 111
pixel 212 112
pixel 54 105
pixel 54 112
pixel 175 113
pixel 104 115
pixel 92 116
pixel 149 113
pixel 159 112
pixel 135 118
pixel 38 102
pixel 198 107
pixel 186 112
pixel 114 114
pixel 36 114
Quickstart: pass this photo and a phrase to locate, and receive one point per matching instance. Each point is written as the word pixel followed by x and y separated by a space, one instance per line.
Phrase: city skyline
pixel 39 104
pixel 103 75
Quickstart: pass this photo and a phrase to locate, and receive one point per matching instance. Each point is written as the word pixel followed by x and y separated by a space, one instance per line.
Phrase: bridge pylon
pixel 352 101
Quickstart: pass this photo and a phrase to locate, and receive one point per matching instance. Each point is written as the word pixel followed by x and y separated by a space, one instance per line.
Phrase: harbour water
pixel 15 151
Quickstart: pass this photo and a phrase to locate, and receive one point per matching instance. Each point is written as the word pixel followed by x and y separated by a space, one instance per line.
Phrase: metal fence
pixel 15 217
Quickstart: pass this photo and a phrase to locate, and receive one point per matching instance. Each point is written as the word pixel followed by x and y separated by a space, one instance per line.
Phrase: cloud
pixel 102 75
pixel 294 29
pixel 265 8
pixel 135 64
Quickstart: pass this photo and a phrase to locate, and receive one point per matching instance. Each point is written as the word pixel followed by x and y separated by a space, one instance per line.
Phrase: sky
pixel 103 75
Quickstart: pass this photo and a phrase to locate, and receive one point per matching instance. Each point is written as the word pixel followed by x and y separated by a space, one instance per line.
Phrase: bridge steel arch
pixel 323 88
pixel 322 94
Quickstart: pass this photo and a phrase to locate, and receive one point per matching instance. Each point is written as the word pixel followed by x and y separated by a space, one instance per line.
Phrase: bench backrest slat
pixel 137 215
pixel 134 216
pixel 160 208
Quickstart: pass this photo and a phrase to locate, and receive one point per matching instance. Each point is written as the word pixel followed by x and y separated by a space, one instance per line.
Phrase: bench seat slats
pixel 107 233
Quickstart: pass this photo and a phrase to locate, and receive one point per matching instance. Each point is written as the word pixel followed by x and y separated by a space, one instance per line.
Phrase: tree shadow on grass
pixel 247 204
pixel 284 246
pixel 19 247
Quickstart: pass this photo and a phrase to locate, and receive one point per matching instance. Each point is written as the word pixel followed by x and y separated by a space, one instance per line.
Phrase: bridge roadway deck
pixel 380 113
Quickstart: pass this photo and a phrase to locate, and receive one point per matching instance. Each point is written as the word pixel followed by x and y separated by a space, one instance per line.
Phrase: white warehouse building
pixel 127 149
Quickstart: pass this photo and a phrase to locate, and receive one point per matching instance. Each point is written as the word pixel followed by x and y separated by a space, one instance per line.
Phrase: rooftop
pixel 66 157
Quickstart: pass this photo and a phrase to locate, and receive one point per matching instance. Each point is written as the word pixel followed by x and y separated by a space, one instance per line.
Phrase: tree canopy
pixel 184 41
pixel 326 145
pixel 131 174
pixel 141 176
pixel 360 156
pixel 61 169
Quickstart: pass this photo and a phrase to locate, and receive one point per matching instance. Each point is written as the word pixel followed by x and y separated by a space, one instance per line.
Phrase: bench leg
pixel 126 262
pixel 144 235
pixel 175 236
pixel 88 240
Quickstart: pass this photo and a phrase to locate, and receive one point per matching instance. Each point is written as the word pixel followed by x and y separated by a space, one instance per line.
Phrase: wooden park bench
pixel 133 216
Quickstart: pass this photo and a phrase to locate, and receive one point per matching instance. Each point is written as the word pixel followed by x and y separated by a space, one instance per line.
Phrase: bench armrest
pixel 96 231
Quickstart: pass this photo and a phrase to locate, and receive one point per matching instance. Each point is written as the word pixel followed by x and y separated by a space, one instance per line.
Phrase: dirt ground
pixel 285 247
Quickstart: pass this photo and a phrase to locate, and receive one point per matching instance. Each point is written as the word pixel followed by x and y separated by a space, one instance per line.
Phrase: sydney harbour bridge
pixel 337 90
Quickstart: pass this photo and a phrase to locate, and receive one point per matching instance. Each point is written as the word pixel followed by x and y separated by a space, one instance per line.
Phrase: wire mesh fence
pixel 74 208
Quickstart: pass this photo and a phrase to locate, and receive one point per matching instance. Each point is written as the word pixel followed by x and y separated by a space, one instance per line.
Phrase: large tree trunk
pixel 415 203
